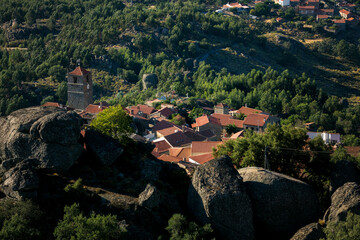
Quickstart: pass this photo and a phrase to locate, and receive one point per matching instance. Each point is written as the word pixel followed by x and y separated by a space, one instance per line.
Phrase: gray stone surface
pixel 149 80
pixel 312 231
pixel 46 134
pixel 21 181
pixel 343 172
pixel 150 197
pixel 150 170
pixel 281 204
pixel 217 195
pixel 107 149
pixel 346 198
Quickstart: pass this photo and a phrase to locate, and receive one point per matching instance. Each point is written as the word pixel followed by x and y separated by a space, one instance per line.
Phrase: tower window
pixel 75 79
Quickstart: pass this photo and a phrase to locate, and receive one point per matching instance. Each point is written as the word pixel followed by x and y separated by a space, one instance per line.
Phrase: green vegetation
pixel 19 220
pixel 113 122
pixel 180 228
pixel 344 230
pixel 95 227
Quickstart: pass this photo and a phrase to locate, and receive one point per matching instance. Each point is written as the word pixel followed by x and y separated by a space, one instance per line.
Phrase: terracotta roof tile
pixel 201 121
pixel 226 120
pixel 168 131
pixel 180 152
pixel 207 133
pixel 344 11
pixel 247 111
pixel 238 134
pixel 306 7
pixel 204 147
pixel 51 104
pixel 194 136
pixel 161 146
pixel 256 119
pixel 177 139
pixel 91 108
pixel 201 159
pixel 162 125
pixel 79 71
pixel 166 112
pixel 340 21
pixel 146 110
pixel 322 16
pixel 168 158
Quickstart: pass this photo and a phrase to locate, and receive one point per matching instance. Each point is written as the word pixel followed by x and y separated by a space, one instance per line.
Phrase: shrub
pixel 344 230
pixel 76 226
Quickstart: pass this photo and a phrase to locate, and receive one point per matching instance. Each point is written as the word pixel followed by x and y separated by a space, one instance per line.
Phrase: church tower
pixel 80 88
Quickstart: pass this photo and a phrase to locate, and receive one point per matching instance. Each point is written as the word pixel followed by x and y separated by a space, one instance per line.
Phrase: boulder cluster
pixel 249 203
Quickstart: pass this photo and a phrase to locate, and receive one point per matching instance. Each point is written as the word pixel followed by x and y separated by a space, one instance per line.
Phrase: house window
pixel 75 79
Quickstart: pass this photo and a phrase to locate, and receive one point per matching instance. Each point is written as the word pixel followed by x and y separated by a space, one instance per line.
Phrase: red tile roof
pixel 226 120
pixel 221 105
pixel 168 158
pixel 344 11
pixel 168 131
pixel 313 1
pixel 161 146
pixel 166 112
pixel 177 139
pixel 194 136
pixel 143 108
pixel 246 110
pixel 180 152
pixel 306 7
pixel 322 16
pixel 326 10
pixel 343 21
pixel 353 151
pixel 239 134
pixel 204 147
pixel 91 108
pixel 201 159
pixel 162 125
pixel 201 121
pixel 256 119
pixel 207 133
pixel 51 104
pixel 235 5
pixel 79 71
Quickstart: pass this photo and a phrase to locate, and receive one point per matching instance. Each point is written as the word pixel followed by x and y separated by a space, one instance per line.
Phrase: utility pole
pixel 266 160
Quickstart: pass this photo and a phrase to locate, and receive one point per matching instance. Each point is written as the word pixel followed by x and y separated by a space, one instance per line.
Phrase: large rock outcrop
pixel 217 195
pixel 149 80
pixel 47 135
pixel 346 198
pixel 107 149
pixel 312 231
pixel 344 171
pixel 281 204
pixel 21 181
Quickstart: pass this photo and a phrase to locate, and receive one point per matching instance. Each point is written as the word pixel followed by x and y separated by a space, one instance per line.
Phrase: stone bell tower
pixel 80 88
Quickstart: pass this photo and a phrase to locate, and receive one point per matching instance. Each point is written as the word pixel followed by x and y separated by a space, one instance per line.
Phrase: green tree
pixel 61 92
pixel 180 229
pixel 76 226
pixel 231 128
pixel 344 230
pixel 113 122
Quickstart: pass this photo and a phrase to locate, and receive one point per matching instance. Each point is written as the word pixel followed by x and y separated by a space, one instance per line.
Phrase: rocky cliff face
pixel 217 195
pixel 47 135
pixel 281 204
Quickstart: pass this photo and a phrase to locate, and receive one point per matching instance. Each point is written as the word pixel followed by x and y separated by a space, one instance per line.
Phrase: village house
pixel 221 108
pixel 162 113
pixel 258 122
pixel 201 159
pixel 284 3
pixel 347 6
pixel 208 123
pixel 200 148
pixel 91 111
pixel 328 138
pixel 352 22
pixel 345 13
pixel 315 3
pixel 329 12
pixel 236 5
pixel 247 111
pixel 141 110
pixel 321 17
pixel 307 10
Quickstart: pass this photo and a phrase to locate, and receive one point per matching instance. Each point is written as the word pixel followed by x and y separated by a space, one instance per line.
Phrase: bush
pixel 76 226
pixel 19 220
pixel 347 230
pixel 179 229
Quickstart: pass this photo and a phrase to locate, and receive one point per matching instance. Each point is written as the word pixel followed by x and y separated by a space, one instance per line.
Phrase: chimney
pixel 245 104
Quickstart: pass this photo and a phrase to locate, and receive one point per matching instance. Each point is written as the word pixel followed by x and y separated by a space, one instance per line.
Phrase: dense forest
pixel 43 40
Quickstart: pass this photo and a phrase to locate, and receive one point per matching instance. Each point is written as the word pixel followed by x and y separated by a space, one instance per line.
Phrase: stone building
pixel 80 88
